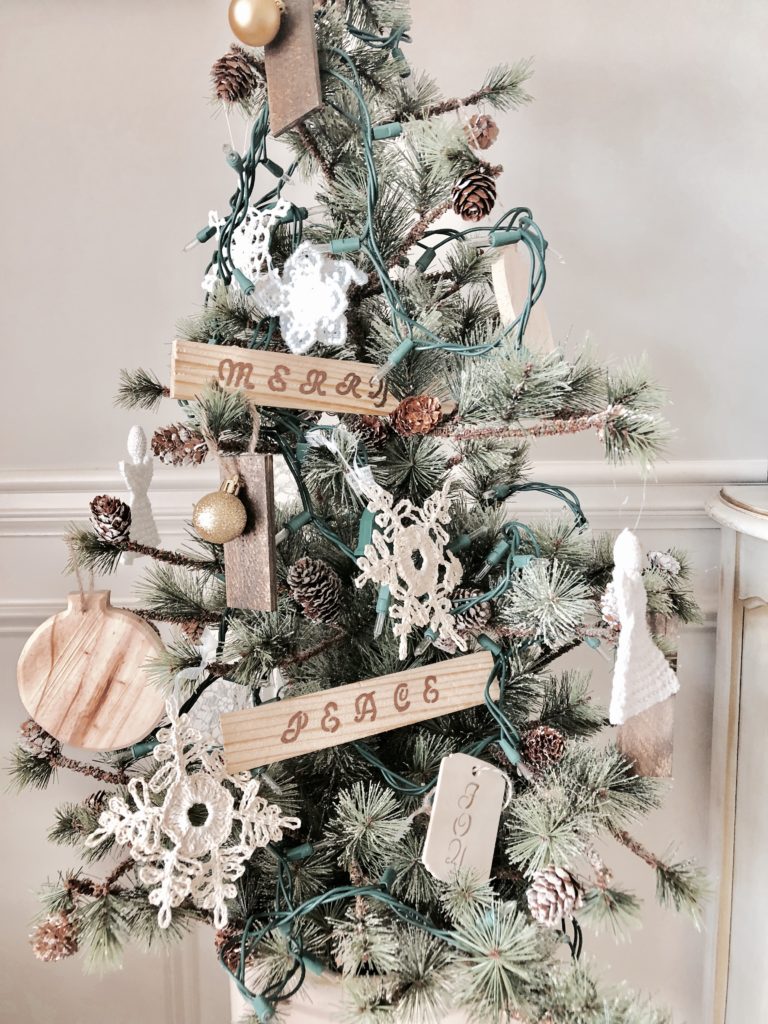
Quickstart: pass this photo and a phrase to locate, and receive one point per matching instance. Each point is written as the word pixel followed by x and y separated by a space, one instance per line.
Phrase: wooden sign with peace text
pixel 279 380
pixel 300 725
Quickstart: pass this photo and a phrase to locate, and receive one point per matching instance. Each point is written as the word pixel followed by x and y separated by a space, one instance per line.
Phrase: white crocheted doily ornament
pixel 194 843
pixel 137 474
pixel 251 239
pixel 310 298
pixel 641 675
pixel 408 554
pixel 211 279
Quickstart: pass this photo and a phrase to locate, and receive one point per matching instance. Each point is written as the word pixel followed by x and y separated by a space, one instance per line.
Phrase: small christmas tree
pixel 315 862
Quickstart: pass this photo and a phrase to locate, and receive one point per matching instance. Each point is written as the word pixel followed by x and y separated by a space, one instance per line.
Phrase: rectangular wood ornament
pixel 293 71
pixel 278 380
pixel 299 725
pixel 249 559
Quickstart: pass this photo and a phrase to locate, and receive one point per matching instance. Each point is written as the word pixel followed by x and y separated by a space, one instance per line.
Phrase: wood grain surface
pixel 279 380
pixel 81 675
pixel 647 739
pixel 293 72
pixel 249 559
pixel 287 728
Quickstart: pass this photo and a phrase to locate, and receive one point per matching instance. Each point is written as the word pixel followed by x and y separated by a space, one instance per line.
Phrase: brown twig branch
pixel 177 620
pixel 113 778
pixel 162 555
pixel 455 103
pixel 312 147
pixel 91 887
pixel 638 849
pixel 417 230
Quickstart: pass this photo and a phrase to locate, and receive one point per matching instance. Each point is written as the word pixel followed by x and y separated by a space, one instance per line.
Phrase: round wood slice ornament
pixel 81 675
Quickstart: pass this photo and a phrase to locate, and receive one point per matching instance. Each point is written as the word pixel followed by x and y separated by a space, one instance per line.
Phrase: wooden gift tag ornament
pixel 293 72
pixel 510 275
pixel 300 725
pixel 249 559
pixel 81 675
pixel 278 380
pixel 464 819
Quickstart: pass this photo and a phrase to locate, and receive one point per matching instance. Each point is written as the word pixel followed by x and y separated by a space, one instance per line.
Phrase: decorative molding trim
pixel 37 506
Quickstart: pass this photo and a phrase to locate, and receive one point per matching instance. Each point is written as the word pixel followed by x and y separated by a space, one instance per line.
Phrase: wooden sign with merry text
pixel 278 380
pixel 300 725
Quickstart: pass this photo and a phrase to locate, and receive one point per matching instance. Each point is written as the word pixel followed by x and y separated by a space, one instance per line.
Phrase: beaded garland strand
pixel 290 435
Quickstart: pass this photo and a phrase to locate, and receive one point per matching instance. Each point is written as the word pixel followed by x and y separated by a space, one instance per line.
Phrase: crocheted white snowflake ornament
pixel 641 675
pixel 310 298
pixel 137 474
pixel 251 240
pixel 408 554
pixel 194 843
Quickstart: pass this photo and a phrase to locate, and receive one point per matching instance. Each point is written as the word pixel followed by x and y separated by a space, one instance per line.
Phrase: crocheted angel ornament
pixel 137 474
pixel 310 298
pixel 641 676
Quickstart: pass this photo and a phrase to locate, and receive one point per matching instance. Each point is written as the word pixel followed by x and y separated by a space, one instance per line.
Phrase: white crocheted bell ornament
pixel 641 676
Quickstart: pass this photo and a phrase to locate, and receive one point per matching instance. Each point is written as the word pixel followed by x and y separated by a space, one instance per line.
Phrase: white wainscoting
pixel 186 985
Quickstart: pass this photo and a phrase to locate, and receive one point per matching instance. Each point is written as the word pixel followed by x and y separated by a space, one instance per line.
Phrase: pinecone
pixel 36 741
pixel 610 609
pixel 96 802
pixel 474 619
pixel 54 939
pixel 482 131
pixel 552 895
pixel 374 431
pixel 178 445
pixel 111 518
pixel 317 588
pixel 474 195
pixel 230 936
pixel 192 629
pixel 234 76
pixel 542 746
pixel 419 414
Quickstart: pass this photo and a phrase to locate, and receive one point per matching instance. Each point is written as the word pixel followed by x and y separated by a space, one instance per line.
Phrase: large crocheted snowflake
pixel 310 298
pixel 191 826
pixel 408 554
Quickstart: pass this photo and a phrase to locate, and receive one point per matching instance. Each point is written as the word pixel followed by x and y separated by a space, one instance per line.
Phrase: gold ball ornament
pixel 255 22
pixel 220 516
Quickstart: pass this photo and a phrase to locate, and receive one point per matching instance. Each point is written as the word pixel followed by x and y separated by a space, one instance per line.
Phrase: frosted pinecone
pixel 111 518
pixel 542 746
pixel 665 561
pixel 36 741
pixel 475 619
pixel 234 76
pixel 54 939
pixel 179 445
pixel 609 608
pixel 96 802
pixel 317 587
pixel 552 895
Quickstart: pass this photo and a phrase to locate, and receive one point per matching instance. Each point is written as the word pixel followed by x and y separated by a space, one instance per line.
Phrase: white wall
pixel 642 159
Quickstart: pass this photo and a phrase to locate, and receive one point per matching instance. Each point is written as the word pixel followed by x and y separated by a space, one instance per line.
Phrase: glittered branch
pixel 638 849
pixel 90 887
pixel 62 761
pixel 546 428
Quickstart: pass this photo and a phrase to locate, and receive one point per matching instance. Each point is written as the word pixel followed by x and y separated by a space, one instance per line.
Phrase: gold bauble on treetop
pixel 220 516
pixel 255 22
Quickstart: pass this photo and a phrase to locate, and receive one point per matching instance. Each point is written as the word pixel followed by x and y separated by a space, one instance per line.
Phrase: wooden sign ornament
pixel 280 381
pixel 249 557
pixel 288 728
pixel 82 674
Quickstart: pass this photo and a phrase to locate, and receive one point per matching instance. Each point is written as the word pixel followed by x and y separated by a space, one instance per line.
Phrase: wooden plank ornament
pixel 82 674
pixel 278 380
pixel 292 67
pixel 288 728
pixel 250 570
